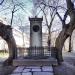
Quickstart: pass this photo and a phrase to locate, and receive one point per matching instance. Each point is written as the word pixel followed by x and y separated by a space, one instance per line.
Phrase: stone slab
pixel 47 68
pixel 36 69
pixel 27 73
pixel 26 70
pixel 42 73
pixel 19 69
pixel 16 74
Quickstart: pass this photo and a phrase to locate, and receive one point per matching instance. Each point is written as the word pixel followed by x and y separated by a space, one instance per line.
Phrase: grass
pixel 4 55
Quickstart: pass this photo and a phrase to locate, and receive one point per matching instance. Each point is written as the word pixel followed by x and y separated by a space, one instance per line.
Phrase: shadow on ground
pixel 5 70
pixel 64 69
pixel 68 66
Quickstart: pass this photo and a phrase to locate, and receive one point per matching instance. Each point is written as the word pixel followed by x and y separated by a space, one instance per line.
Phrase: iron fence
pixel 34 51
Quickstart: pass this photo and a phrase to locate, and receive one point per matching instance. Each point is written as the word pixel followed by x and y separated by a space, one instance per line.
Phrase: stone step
pixel 27 73
pixel 16 74
pixel 42 73
pixel 47 68
pixel 19 69
pixel 26 70
pixel 35 67
pixel 34 62
pixel 36 70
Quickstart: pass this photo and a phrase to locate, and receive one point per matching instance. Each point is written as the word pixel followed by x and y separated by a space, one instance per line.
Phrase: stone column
pixel 36 36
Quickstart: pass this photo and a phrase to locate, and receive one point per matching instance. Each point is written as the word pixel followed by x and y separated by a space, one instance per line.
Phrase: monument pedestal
pixel 35 62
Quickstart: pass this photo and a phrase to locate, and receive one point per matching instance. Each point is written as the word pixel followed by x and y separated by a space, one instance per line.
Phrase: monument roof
pixel 35 19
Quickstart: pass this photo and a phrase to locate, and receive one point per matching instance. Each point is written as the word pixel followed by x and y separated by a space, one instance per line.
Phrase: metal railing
pixel 34 51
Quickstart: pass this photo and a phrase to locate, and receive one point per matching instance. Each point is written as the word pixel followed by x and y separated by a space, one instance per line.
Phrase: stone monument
pixel 36 55
pixel 36 36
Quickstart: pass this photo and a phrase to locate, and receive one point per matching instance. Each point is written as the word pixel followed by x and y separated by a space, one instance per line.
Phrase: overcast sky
pixel 25 9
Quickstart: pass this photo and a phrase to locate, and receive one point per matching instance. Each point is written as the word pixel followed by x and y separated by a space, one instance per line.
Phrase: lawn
pixel 4 55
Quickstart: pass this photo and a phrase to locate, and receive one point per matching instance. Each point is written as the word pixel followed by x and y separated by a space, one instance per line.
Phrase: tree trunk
pixel 66 32
pixel 59 44
pixel 12 48
pixel 12 51
pixel 70 48
pixel 49 40
pixel 6 34
pixel 12 18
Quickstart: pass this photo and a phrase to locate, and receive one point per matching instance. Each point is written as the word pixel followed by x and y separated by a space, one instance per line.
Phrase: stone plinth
pixel 34 62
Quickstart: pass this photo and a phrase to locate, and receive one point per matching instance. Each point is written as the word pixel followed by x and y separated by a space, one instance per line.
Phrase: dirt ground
pixel 64 69
pixel 68 66
pixel 5 70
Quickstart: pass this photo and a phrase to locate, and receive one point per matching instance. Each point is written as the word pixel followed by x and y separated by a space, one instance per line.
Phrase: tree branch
pixel 44 15
pixel 71 11
pixel 12 15
pixel 59 17
pixel 1 2
pixel 65 15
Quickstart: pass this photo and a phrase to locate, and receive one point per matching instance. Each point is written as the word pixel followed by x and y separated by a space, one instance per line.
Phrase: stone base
pixel 34 62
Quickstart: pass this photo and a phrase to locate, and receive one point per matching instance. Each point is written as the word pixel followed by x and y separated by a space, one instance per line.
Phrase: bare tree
pixel 66 31
pixel 15 9
pixel 49 10
pixel 6 34
pixel 63 20
pixel 22 32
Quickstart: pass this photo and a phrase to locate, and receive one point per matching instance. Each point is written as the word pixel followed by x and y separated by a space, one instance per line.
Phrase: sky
pixel 20 16
pixel 7 7
pixel 25 9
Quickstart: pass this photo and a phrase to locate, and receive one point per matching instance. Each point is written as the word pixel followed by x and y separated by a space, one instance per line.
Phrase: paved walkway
pixel 33 70
pixel 64 69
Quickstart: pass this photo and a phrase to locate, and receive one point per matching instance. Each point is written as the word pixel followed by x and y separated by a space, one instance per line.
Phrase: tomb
pixel 36 52
pixel 36 37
